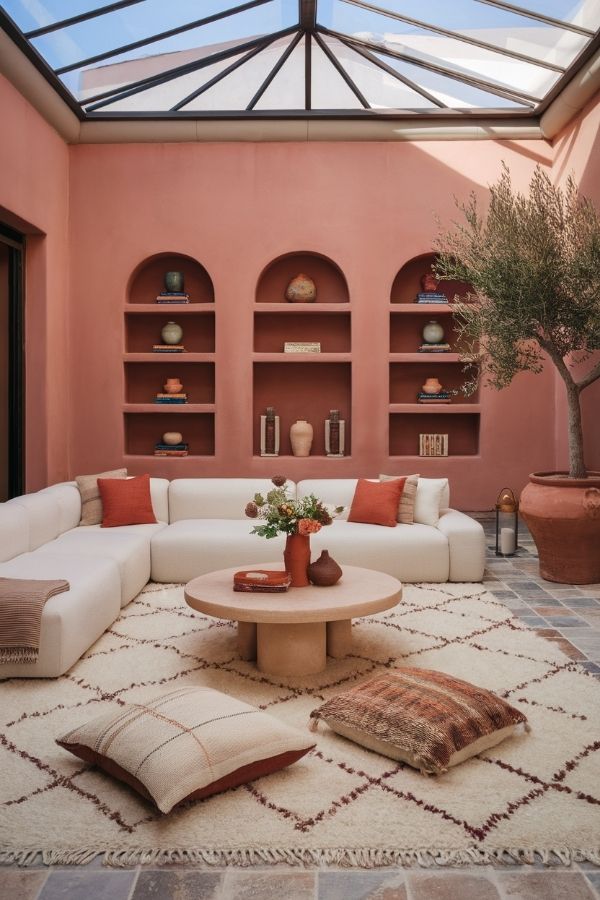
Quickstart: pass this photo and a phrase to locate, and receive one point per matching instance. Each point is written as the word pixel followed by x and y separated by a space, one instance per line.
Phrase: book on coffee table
pixel 261 580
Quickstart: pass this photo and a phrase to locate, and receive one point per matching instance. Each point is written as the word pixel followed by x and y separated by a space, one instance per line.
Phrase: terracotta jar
pixel 301 437
pixel 301 289
pixel 563 516
pixel 431 386
pixel 324 571
pixel 172 386
pixel 296 558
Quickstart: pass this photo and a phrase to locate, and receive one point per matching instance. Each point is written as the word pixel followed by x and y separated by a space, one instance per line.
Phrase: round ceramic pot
pixel 324 572
pixel 172 386
pixel 301 289
pixel 172 437
pixel 174 281
pixel 172 333
pixel 301 437
pixel 563 516
pixel 433 333
pixel 431 386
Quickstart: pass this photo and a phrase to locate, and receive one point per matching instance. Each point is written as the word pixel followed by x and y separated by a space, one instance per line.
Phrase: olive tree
pixel 533 262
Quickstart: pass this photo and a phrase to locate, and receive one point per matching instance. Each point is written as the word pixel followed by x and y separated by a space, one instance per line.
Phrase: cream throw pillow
pixel 186 744
pixel 91 504
pixel 432 494
pixel 406 506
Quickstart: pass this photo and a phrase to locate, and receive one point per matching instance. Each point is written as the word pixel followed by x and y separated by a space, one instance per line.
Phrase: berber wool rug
pixel 533 797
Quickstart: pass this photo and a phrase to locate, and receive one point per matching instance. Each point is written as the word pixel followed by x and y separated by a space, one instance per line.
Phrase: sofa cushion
pixel 69 502
pixel 91 502
pixel 126 501
pixel 215 498
pixel 406 506
pixel 130 551
pixel 427 719
pixel 376 503
pixel 186 743
pixel 410 553
pixel 193 547
pixel 159 492
pixel 44 514
pixel 432 497
pixel 466 540
pixel 72 621
pixel 14 530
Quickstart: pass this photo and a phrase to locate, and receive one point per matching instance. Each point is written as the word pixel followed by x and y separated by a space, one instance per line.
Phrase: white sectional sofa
pixel 200 527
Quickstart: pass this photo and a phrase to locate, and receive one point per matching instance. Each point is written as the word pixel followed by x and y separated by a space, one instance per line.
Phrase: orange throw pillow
pixel 126 501
pixel 376 503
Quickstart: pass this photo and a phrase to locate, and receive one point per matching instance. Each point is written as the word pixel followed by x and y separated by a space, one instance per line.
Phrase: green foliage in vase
pixel 284 515
pixel 533 262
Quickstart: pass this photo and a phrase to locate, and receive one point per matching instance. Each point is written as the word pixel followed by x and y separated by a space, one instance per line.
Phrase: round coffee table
pixel 292 633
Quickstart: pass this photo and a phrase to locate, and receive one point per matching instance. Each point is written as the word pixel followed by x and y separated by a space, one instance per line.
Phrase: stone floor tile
pixel 557 610
pixel 549 885
pixel 451 886
pixel 593 876
pixel 566 593
pixel 581 602
pixel 66 884
pixel 16 884
pixel 567 621
pixel 178 884
pixel 361 885
pixel 533 621
pixel 268 885
pixel 592 667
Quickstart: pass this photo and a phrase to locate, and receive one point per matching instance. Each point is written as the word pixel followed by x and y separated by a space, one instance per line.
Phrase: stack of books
pixel 161 449
pixel 171 398
pixel 262 580
pixel 434 348
pixel 431 297
pixel 440 397
pixel 173 297
pixel 168 348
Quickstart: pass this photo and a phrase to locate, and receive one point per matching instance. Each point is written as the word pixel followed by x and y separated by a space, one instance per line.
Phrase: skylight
pixel 305 57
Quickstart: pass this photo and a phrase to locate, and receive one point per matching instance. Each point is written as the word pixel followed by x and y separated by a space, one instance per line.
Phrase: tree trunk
pixel 576 463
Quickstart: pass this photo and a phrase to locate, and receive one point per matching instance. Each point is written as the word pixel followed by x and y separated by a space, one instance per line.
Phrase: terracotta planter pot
pixel 325 571
pixel 296 558
pixel 563 516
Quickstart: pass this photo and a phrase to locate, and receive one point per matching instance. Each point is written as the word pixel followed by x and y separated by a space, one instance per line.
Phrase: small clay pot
pixel 324 571
pixel 301 289
pixel 172 438
pixel 172 386
pixel 431 386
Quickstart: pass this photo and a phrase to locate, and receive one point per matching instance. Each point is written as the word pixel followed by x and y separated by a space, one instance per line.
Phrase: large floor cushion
pixel 128 548
pixel 193 547
pixel 72 621
pixel 408 552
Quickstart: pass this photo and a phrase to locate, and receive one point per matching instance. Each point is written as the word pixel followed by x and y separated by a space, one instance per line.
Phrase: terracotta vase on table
pixel 296 558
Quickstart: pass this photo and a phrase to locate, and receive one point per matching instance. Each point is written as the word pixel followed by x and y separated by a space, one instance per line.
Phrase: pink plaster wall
pixel 577 153
pixel 235 207
pixel 34 197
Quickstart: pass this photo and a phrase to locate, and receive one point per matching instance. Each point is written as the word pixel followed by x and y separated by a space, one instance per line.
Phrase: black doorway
pixel 12 368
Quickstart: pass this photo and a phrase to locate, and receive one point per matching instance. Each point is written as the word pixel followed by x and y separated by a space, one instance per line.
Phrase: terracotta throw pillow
pixel 126 501
pixel 427 719
pixel 375 502
pixel 91 504
pixel 186 744
pixel 406 506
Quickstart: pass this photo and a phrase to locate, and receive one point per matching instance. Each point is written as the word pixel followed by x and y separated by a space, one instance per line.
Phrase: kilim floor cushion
pixel 340 804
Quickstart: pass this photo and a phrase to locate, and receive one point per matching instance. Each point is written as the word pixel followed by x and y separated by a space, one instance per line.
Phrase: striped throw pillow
pixel 427 719
pixel 186 744
pixel 406 505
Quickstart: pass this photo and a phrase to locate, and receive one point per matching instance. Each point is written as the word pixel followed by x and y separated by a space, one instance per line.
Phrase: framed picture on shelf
pixel 433 445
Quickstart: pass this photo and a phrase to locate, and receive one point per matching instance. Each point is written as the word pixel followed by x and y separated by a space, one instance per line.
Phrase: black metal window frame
pixel 15 242
pixel 528 106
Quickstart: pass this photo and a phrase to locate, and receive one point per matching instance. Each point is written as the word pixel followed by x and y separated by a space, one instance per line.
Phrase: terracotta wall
pixel 236 207
pixel 577 153
pixel 34 197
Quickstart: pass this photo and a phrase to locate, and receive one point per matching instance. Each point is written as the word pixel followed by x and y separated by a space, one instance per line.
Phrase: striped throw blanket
pixel 21 604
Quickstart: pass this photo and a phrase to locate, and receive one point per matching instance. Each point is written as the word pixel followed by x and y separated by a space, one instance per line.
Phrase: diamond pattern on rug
pixel 537 791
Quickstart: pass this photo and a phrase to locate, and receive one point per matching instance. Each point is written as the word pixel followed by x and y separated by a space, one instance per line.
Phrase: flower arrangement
pixel 282 514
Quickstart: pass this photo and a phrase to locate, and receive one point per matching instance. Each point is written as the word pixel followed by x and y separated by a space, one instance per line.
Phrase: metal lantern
pixel 507 523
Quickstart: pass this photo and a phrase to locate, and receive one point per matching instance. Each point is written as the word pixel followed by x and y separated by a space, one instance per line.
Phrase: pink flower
pixel 308 526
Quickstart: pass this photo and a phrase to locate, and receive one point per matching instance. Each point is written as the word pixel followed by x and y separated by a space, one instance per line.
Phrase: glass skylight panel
pixel 287 90
pixel 328 88
pixel 30 16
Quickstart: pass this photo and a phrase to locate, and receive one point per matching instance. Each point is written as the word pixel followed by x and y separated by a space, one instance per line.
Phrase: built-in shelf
pixel 316 308
pixel 172 358
pixel 148 280
pixel 142 331
pixel 169 408
pixel 328 278
pixel 144 429
pixel 428 358
pixel 170 309
pixel 421 309
pixel 330 330
pixel 439 408
pixel 406 427
pixel 302 358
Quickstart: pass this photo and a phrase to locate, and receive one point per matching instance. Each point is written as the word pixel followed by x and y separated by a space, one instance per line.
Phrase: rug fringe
pixel 297 856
